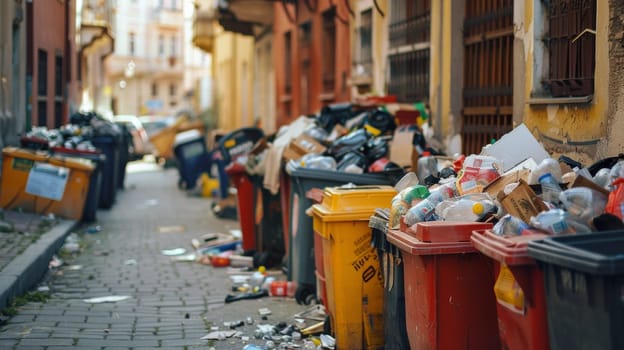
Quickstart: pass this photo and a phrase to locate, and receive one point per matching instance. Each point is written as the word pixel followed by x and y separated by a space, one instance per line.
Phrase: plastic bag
pixel 615 203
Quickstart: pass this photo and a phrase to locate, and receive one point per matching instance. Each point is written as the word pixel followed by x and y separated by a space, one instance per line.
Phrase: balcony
pixel 168 17
pixel 95 31
pixel 204 29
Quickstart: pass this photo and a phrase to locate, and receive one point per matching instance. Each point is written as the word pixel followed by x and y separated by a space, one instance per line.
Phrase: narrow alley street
pixel 171 305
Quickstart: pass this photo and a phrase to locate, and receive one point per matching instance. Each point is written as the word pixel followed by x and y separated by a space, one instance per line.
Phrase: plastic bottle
pixel 257 278
pixel 557 221
pixel 466 209
pixel 550 188
pixel 424 209
pixel 509 225
pixel 583 203
pixel 548 165
pixel 283 288
pixel 427 165
pixel 315 161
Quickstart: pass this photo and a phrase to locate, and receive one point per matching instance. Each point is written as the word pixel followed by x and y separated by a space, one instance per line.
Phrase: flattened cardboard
pixel 522 202
pixel 496 187
pixel 301 146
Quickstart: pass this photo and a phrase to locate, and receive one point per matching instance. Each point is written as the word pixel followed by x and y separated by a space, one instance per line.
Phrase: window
pixel 571 47
pixel 305 34
pixel 366 39
pixel 154 89
pixel 58 90
pixel 42 73
pixel 287 63
pixel 409 58
pixel 161 46
pixel 172 90
pixel 42 87
pixel 329 50
pixel 131 43
pixel 173 46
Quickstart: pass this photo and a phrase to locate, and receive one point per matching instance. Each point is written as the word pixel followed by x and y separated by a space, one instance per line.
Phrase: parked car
pixel 140 141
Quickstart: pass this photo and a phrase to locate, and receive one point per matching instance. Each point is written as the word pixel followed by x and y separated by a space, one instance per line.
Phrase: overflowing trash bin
pixel 449 287
pixel 391 263
pixel 108 144
pixel 354 283
pixel 43 184
pixel 305 184
pixel 191 157
pixel 519 289
pixel 583 280
pixel 95 184
pixel 232 148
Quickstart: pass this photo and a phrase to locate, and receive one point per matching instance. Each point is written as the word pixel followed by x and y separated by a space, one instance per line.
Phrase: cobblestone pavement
pixel 171 305
pixel 26 229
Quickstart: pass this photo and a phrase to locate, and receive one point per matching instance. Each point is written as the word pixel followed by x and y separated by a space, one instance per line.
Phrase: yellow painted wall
pixel 577 130
pixel 233 55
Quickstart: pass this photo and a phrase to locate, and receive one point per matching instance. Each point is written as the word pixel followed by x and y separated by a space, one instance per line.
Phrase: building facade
pixel 13 121
pixel 145 74
pixel 51 80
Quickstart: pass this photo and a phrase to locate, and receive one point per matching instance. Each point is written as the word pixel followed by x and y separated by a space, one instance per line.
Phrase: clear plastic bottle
pixel 316 161
pixel 557 221
pixel 510 225
pixel 550 188
pixel 425 208
pixel 583 203
pixel 466 209
pixel 548 165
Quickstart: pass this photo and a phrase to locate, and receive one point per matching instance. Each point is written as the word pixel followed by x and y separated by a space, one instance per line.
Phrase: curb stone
pixel 26 270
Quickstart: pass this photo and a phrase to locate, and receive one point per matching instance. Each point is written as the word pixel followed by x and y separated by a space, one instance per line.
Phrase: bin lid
pixel 600 253
pixel 508 250
pixel 354 203
pixel 409 244
pixel 187 136
pixel 72 163
pixel 339 177
pixel 445 231
pixel 25 153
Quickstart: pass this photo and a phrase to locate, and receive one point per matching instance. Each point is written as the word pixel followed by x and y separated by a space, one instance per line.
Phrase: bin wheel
pixel 182 184
pixel 305 295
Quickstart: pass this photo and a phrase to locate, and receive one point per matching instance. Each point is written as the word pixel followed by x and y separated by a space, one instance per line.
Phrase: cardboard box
pixel 301 146
pixel 496 187
pixel 582 181
pixel 402 151
pixel 522 202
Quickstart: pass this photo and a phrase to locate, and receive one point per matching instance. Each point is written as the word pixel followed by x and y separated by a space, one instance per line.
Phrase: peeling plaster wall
pixel 577 130
pixel 615 129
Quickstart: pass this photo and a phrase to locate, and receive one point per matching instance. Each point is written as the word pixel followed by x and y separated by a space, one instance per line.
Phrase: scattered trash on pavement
pixel 264 311
pixel 174 251
pixel 74 267
pixel 55 262
pixel 171 229
pixel 219 335
pixel 106 299
pixel 130 262
pixel 185 258
pixel 93 229
pixel 43 289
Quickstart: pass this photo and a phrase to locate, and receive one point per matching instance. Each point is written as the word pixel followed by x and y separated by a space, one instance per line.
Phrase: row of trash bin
pixel 431 283
pixel 70 172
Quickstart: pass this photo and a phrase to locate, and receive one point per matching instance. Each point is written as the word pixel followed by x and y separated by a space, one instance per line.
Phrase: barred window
pixel 571 46
pixel 329 49
pixel 409 54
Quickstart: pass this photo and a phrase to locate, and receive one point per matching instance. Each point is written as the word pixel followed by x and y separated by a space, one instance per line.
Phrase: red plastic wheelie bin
pixel 449 287
pixel 519 290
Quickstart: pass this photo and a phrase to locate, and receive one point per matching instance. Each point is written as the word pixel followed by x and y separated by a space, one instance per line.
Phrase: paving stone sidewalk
pixel 171 304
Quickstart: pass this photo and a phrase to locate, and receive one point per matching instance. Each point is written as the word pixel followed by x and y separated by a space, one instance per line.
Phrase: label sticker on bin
pixel 508 292
pixel 23 164
pixel 47 181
